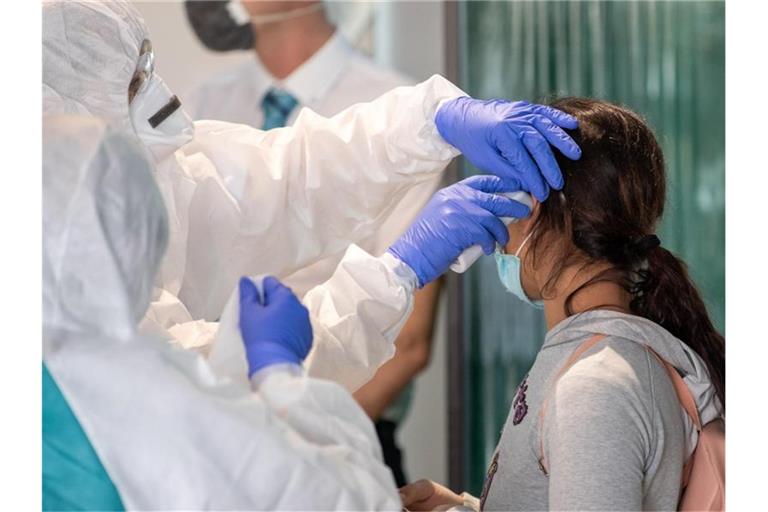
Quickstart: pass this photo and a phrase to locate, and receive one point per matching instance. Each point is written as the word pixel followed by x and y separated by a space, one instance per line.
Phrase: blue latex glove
pixel 456 218
pixel 277 331
pixel 506 138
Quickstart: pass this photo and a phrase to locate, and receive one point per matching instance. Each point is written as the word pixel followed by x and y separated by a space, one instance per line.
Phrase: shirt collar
pixel 311 81
pixel 260 81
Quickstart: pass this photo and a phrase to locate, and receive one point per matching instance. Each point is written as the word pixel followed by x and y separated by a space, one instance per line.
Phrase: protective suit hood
pixel 90 54
pixel 90 51
pixel 99 256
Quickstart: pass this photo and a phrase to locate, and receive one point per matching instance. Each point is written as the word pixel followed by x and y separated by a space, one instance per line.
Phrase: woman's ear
pixel 535 204
pixel 528 222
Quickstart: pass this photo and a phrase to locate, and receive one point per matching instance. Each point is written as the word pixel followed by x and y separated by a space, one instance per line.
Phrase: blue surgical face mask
pixel 510 274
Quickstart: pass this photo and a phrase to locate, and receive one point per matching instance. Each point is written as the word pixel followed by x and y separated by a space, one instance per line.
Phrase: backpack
pixel 703 485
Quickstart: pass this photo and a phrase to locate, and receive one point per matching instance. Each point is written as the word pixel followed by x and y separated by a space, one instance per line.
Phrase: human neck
pixel 285 45
pixel 601 295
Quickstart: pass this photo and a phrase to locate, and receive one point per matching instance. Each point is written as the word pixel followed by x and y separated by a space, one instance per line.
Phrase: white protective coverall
pixel 242 201
pixel 172 435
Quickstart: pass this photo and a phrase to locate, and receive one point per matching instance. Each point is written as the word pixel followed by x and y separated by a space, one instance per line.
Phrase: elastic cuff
pixel 404 274
pixel 434 92
pixel 264 354
pixel 440 106
pixel 259 376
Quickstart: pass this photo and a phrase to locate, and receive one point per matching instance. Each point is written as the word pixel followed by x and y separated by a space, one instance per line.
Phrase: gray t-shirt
pixel 615 436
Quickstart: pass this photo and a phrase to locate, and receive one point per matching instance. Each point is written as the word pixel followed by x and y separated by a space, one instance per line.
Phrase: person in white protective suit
pixel 244 201
pixel 170 434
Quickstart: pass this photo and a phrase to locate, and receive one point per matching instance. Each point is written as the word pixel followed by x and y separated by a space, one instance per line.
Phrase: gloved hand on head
pixel 276 330
pixel 456 218
pixel 510 139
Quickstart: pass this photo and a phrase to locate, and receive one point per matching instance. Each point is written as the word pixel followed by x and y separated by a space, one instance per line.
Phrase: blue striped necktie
pixel 277 105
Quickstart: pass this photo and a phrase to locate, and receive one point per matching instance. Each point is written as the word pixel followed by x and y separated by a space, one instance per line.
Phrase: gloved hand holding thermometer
pixel 458 217
pixel 471 255
pixel 510 140
pixel 274 325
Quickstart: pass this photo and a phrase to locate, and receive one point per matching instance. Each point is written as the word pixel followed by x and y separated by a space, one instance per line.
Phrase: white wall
pixel 407 36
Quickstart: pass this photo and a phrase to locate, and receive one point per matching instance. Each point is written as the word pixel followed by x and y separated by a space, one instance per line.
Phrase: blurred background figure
pixel 299 59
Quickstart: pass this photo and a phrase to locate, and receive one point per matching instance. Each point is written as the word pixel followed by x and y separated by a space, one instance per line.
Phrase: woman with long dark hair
pixel 604 429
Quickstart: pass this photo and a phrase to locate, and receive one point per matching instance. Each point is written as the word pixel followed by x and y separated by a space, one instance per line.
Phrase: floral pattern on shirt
pixel 520 405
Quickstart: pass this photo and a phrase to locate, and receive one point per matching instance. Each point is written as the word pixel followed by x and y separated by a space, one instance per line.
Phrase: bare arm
pixel 413 348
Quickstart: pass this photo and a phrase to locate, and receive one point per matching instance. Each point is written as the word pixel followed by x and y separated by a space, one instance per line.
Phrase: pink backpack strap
pixel 681 389
pixel 685 398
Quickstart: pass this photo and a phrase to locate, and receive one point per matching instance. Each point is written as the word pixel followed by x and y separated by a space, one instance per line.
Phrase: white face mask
pixel 159 120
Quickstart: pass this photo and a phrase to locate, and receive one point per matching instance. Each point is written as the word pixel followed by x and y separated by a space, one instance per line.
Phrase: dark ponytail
pixel 607 212
pixel 669 298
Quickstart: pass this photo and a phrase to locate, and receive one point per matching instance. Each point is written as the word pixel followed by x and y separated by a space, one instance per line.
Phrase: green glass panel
pixel 665 60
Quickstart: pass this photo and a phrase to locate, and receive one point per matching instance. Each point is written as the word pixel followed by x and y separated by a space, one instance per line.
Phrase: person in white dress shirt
pixel 301 60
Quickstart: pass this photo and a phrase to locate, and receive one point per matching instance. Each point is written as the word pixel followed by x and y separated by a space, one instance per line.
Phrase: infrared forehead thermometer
pixel 471 255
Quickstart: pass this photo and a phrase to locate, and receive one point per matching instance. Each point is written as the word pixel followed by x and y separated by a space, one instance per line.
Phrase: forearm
pixel 357 315
pixel 349 170
pixel 391 379
pixel 256 202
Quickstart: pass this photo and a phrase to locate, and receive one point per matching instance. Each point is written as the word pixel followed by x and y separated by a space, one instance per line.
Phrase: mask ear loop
pixel 502 249
pixel 517 253
pixel 266 19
